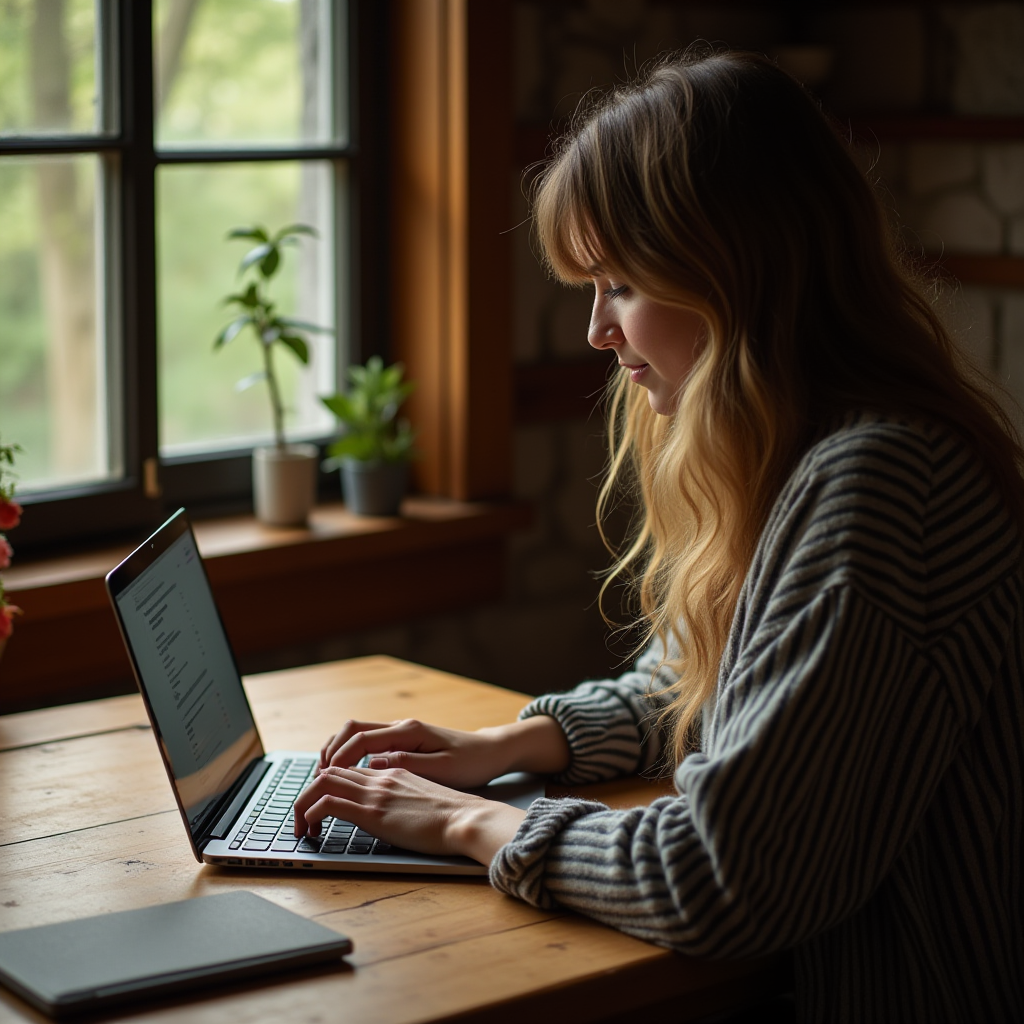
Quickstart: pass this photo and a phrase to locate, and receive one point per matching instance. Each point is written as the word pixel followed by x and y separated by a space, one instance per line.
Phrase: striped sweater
pixel 859 792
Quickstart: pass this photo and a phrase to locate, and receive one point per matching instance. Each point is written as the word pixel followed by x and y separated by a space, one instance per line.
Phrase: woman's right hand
pixel 450 756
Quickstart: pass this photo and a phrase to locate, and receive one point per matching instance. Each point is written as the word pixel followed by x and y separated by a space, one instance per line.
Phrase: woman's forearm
pixel 481 830
pixel 535 744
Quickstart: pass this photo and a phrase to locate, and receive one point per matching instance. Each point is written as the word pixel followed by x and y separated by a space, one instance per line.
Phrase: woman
pixel 829 569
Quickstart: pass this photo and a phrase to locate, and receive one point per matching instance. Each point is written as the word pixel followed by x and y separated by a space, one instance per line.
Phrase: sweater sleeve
pixel 612 725
pixel 775 835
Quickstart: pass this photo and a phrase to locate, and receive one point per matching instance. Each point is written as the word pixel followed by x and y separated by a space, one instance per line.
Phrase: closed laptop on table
pixel 96 962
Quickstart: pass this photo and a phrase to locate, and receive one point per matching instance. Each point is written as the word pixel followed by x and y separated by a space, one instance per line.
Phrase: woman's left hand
pixel 408 811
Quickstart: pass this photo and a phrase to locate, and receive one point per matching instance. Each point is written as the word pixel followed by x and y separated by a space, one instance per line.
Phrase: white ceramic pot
pixel 284 483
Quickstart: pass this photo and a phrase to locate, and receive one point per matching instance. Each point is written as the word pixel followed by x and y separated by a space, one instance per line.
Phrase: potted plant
pixel 376 447
pixel 283 476
pixel 10 516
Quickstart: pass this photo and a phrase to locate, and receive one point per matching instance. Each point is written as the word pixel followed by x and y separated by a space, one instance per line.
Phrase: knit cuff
pixel 603 731
pixel 518 867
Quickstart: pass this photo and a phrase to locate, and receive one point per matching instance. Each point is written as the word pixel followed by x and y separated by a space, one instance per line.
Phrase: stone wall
pixel 966 197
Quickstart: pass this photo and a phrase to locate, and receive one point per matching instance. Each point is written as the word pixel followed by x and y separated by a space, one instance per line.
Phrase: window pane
pixel 53 371
pixel 48 56
pixel 200 408
pixel 229 73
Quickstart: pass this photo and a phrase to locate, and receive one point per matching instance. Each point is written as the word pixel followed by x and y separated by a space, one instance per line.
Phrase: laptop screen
pixel 186 669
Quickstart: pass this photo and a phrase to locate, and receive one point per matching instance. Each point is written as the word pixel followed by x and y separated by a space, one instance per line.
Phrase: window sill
pixel 276 587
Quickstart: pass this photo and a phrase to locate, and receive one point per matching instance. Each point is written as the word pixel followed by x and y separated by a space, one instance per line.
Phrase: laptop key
pixel 257 844
pixel 308 845
pixel 284 845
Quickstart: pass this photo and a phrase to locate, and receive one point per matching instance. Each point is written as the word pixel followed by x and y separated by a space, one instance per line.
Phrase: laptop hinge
pixel 218 823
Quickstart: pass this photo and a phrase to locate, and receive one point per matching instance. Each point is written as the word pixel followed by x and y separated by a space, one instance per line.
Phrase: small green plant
pixel 369 413
pixel 256 311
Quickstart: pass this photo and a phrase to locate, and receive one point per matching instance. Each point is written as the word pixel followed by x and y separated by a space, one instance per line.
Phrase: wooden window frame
pixel 451 266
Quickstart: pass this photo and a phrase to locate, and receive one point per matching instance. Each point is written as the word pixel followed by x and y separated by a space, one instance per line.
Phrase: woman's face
pixel 657 344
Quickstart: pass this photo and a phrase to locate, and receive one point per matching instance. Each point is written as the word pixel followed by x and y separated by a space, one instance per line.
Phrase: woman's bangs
pixel 565 221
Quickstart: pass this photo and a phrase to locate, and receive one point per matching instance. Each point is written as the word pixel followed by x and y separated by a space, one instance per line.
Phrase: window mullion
pixel 138 277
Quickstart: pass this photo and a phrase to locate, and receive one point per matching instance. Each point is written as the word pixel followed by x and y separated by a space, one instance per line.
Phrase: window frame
pixel 217 481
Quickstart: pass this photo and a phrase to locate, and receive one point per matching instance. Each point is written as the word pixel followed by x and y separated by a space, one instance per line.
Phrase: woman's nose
pixel 602 340
pixel 604 332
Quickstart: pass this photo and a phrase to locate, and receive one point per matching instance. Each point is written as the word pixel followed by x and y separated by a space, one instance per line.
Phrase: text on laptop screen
pixel 182 655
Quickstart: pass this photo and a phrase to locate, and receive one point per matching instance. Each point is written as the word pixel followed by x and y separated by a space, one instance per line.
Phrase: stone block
pixel 532 289
pixel 576 498
pixel 529 66
pixel 534 459
pixel 961 222
pixel 1016 236
pixel 971 319
pixel 989 69
pixel 444 642
pixel 931 166
pixel 336 649
pixel 542 648
pixel 880 55
pixel 393 640
pixel 560 571
pixel 569 323
pixel 885 164
pixel 618 15
pixel 584 67
pixel 521 543
pixel 1011 374
pixel 1003 176
pixel 655 34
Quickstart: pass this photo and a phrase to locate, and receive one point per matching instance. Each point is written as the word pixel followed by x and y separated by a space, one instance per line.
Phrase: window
pixel 133 137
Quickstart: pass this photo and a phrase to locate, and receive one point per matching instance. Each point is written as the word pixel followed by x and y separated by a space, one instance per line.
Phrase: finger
pixel 428 766
pixel 329 806
pixel 397 736
pixel 349 729
pixel 331 781
pixel 342 736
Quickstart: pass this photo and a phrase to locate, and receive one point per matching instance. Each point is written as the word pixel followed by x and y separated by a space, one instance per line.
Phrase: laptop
pixel 235 798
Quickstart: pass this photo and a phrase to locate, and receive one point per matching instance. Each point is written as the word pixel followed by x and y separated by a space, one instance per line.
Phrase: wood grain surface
pixel 88 826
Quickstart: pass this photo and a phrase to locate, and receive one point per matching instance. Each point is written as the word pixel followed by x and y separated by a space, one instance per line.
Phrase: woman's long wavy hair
pixel 715 184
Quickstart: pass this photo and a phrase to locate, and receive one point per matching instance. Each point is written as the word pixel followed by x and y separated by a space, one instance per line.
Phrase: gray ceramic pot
pixel 374 488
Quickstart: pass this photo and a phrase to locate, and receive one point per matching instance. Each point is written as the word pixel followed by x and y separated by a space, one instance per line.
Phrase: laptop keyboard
pixel 270 825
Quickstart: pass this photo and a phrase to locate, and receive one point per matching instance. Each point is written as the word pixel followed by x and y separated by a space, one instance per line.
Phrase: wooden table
pixel 88 825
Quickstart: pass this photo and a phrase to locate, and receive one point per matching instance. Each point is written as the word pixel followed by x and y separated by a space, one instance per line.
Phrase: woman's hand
pixel 450 756
pixel 408 811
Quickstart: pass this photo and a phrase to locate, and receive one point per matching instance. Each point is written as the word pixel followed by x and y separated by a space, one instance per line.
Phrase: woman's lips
pixel 636 372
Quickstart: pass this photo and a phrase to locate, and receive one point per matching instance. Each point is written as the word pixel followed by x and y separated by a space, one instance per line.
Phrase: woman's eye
pixel 614 293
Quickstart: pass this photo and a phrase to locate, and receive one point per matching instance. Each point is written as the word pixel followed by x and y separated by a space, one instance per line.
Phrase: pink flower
pixel 6 552
pixel 7 613
pixel 10 514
